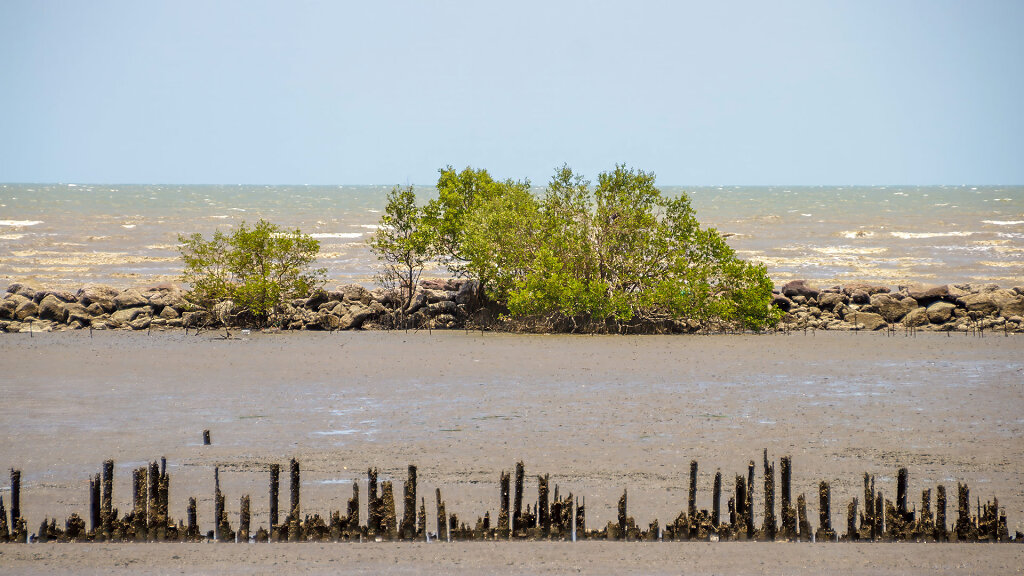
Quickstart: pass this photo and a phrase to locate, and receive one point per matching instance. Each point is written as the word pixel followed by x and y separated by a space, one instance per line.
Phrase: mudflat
pixel 598 413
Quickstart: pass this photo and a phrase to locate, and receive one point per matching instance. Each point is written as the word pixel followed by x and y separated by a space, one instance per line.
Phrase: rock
pixel 445 321
pixel 799 288
pixel 169 313
pixel 389 298
pixel 97 309
pixel 317 298
pixel 51 308
pixel 781 302
pixel 940 312
pixel 22 289
pixel 916 317
pixel 869 320
pixel 140 323
pixel 869 289
pixel 356 315
pixel 443 284
pixel 9 304
pixel 78 313
pixel 467 294
pixel 860 297
pixel 197 319
pixel 443 307
pixel 25 309
pixel 828 300
pixel 989 302
pixel 419 300
pixel 62 295
pixel 925 295
pixel 891 307
pixel 130 298
pixel 356 293
pixel 126 316
pixel 434 296
pixel 97 293
pixel 174 297
pixel 329 321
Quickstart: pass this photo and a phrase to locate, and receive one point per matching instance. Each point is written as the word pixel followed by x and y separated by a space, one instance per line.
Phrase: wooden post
pixel 691 497
pixel 4 531
pixel 716 500
pixel 941 533
pixel 901 493
pixel 804 523
pixel 153 502
pixel 788 513
pixel 825 532
pixel 518 509
pixel 192 533
pixel 543 513
pixel 503 514
pixel 739 523
pixel 243 519
pixel 275 486
pixel 409 506
pixel 443 534
pixel 218 505
pixel 140 524
pixel 107 502
pixel 770 524
pixel 373 516
pixel 749 506
pixel 867 524
pixel 622 516
pixel 851 520
pixel 581 518
pixel 15 497
pixel 388 527
pixel 294 520
pixel 206 438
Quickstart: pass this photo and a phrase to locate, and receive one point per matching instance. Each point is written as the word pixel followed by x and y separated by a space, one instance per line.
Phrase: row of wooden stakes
pixel 553 516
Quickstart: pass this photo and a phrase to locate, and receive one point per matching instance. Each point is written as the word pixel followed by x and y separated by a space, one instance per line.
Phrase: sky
pixel 701 93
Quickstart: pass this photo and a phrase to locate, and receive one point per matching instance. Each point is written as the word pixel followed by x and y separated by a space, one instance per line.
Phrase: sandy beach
pixel 599 414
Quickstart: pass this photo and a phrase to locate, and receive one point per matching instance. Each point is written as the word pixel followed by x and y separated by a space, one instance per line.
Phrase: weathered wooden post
pixel 15 497
pixel 192 532
pixel 206 437
pixel 294 520
pixel 581 518
pixel 107 502
pixel 825 532
pixel 749 506
pixel 388 526
pixel 421 520
pixel 691 497
pixel 517 514
pixel 964 528
pixel 275 487
pixel 716 500
pixel 153 503
pixel 163 502
pixel 373 512
pixel 901 493
pixel 95 524
pixel 879 525
pixel 867 524
pixel 788 513
pixel 739 523
pixel 218 505
pixel 851 520
pixel 503 514
pixel 139 524
pixel 443 533
pixel 409 506
pixel 941 533
pixel 543 513
pixel 805 524
pixel 4 531
pixel 770 524
pixel 353 509
pixel 622 516
pixel 926 524
pixel 243 519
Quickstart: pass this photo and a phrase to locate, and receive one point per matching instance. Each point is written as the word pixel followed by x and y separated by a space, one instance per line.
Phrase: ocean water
pixel 68 234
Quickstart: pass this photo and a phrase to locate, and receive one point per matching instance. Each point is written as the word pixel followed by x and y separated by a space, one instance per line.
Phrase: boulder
pixel 91 293
pixel 443 284
pixel 860 297
pixel 828 300
pixel 419 300
pixel 869 289
pixel 97 309
pixel 781 302
pixel 940 312
pixel 224 312
pixel 78 313
pixel 62 295
pixel 169 313
pixel 869 320
pixel 891 307
pixel 11 303
pixel 442 307
pixel 127 315
pixel 51 308
pixel 22 289
pixel 990 302
pixel 799 288
pixel 439 295
pixel 916 317
pixel 355 293
pixel 356 315
pixel 25 309
pixel 317 298
pixel 140 323
pixel 925 295
pixel 467 294
pixel 130 298
pixel 174 297
pixel 329 321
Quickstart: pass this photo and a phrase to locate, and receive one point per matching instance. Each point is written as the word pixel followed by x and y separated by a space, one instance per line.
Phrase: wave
pixel 920 235
pixel 11 236
pixel 1004 222
pixel 850 234
pixel 20 222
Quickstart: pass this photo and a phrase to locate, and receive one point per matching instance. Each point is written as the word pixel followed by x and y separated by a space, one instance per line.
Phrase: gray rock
pixel 869 320
pixel 23 289
pixel 97 293
pixel 892 308
pixel 316 299
pixel 799 288
pixel 356 293
pixel 98 309
pixel 78 313
pixel 419 300
pixel 126 316
pixel 916 317
pixel 467 294
pixel 174 297
pixel 925 295
pixel 860 297
pixel 169 313
pixel 329 322
pixel 828 300
pixel 356 315
pixel 25 309
pixel 940 312
pixel 9 304
pixel 130 298
pixel 442 307
pixel 51 308
pixel 782 303
pixel 62 295
pixel 140 323
pixel 870 289
pixel 989 302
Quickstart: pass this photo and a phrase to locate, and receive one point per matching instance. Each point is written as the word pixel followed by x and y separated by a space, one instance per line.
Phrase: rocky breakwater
pixel 942 308
pixel 436 304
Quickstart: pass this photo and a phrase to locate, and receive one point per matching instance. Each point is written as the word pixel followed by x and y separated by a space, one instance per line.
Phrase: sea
pixel 65 235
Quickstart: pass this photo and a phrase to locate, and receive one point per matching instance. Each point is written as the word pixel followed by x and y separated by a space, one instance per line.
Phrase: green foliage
pixel 616 252
pixel 403 243
pixel 257 267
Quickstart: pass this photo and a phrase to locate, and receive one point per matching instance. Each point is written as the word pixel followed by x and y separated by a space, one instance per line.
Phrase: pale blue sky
pixel 780 92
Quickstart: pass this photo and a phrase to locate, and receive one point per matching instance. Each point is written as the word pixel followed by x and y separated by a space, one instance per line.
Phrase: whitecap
pixel 336 432
pixel 1004 222
pixel 11 236
pixel 850 234
pixel 369 226
pixel 922 235
pixel 220 217
pixel 127 226
pixel 237 209
pixel 337 235
pixel 20 222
